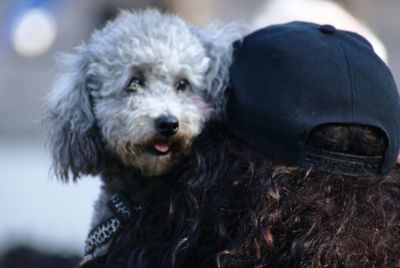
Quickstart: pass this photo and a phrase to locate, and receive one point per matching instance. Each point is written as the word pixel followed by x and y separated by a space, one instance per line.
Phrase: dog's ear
pixel 74 139
pixel 218 40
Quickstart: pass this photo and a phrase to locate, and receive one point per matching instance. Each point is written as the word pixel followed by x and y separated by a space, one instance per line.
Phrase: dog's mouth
pixel 161 149
pixel 162 146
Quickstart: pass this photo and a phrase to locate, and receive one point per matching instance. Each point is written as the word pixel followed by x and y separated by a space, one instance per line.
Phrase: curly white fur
pixel 91 92
pixel 92 117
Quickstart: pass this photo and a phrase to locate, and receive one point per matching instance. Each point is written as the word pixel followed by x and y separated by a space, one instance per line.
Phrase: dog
pixel 129 103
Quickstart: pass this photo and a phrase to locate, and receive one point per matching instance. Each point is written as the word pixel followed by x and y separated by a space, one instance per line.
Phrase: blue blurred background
pixel 53 218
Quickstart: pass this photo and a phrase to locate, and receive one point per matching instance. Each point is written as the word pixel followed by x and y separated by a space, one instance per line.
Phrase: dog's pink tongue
pixel 161 147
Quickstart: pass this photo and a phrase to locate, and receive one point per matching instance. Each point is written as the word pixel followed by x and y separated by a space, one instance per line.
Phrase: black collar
pixel 101 234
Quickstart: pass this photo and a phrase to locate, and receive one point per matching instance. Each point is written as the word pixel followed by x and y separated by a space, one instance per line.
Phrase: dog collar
pixel 97 241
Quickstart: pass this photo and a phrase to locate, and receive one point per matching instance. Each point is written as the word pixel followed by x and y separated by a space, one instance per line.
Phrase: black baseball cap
pixel 288 79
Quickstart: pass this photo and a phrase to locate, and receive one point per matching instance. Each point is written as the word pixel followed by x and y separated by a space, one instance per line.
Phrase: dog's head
pixel 140 90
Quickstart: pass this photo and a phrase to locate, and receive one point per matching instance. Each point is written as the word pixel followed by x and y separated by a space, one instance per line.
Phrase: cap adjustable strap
pixel 104 232
pixel 346 164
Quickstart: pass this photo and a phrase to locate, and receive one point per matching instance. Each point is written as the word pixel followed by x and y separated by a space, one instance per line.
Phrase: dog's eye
pixel 134 84
pixel 182 85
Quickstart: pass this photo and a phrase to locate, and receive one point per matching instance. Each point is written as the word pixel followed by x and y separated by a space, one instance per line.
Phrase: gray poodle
pixel 129 102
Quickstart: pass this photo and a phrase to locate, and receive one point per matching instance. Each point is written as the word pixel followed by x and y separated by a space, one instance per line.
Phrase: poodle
pixel 128 104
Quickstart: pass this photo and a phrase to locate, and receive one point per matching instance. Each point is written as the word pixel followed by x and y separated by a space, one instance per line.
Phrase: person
pixel 302 174
pixel 322 102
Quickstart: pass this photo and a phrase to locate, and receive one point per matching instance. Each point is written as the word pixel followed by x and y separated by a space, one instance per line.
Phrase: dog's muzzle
pixel 166 126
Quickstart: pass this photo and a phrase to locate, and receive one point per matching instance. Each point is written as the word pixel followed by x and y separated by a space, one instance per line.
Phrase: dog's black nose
pixel 167 125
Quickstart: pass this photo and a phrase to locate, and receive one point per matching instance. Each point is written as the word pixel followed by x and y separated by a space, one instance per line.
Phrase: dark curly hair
pixel 231 206
pixel 333 220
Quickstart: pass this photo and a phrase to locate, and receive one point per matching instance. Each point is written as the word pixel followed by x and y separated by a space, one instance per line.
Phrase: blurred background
pixel 44 222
